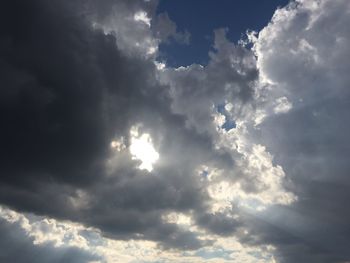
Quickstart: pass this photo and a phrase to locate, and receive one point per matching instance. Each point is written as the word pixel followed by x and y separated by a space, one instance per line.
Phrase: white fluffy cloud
pixel 88 245
pixel 302 59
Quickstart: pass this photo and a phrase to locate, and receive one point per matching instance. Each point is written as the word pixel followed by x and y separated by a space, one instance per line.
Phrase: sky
pixel 200 19
pixel 145 131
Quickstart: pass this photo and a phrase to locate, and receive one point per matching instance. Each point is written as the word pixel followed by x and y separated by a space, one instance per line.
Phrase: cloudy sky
pixel 174 131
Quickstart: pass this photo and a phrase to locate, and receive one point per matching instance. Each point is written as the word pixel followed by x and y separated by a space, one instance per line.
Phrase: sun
pixel 141 148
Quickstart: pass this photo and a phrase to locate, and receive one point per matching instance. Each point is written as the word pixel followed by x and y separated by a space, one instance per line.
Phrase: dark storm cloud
pixel 74 77
pixel 54 93
pixel 67 92
pixel 218 223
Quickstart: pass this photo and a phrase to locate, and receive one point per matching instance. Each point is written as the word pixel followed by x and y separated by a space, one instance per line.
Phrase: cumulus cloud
pixel 130 21
pixel 103 147
pixel 61 119
pixel 40 241
pixel 43 239
pixel 300 56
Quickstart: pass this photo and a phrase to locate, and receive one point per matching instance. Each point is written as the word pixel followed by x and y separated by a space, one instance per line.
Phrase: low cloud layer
pixel 251 149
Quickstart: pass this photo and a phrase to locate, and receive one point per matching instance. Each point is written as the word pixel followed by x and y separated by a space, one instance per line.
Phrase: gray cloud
pixel 17 246
pixel 301 54
pixel 70 90
pixel 80 75
pixel 165 29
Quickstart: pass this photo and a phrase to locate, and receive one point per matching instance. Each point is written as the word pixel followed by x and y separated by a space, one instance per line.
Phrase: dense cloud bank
pixel 302 55
pixel 251 149
pixel 69 92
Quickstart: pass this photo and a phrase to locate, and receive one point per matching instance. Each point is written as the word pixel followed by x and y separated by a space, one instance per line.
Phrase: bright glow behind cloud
pixel 142 149
pixel 253 144
pixel 142 17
